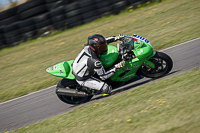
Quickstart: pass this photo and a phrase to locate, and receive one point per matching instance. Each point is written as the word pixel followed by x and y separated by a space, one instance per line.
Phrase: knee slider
pixel 106 89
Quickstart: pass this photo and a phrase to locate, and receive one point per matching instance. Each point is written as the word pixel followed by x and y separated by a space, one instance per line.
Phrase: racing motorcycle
pixel 141 61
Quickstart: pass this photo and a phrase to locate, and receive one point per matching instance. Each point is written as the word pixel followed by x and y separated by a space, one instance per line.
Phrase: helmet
pixel 98 44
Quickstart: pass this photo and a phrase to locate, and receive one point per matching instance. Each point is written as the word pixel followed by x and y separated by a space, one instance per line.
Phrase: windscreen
pixel 128 42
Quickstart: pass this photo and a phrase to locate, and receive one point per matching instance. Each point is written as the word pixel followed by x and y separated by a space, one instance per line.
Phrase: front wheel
pixel 72 84
pixel 163 65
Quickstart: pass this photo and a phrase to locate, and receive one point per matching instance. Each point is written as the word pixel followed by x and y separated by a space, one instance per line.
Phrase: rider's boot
pixel 106 91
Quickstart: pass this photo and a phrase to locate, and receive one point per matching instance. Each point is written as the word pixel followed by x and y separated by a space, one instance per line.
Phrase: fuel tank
pixel 110 57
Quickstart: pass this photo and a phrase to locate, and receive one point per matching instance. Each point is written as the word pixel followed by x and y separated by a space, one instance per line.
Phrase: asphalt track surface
pixel 41 105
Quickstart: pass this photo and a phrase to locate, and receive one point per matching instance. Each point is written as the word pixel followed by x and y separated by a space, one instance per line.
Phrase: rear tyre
pixel 72 84
pixel 163 65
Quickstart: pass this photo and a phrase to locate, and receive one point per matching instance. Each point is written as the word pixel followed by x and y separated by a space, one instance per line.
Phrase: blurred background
pixel 5 4
pixel 23 20
pixel 45 32
pixel 51 31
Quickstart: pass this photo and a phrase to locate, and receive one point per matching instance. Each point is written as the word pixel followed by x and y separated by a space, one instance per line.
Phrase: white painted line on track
pixel 180 44
pixel 55 85
pixel 27 95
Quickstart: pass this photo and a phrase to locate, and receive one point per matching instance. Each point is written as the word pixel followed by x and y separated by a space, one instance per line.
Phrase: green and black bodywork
pixel 140 58
pixel 143 54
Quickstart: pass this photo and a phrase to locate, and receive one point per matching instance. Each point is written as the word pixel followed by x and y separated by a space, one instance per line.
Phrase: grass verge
pixel 164 24
pixel 167 106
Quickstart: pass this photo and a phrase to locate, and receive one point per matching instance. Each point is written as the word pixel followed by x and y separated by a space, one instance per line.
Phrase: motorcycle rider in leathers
pixel 88 63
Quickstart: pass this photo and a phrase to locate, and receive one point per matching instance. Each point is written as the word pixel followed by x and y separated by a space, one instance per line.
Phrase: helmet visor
pixel 102 48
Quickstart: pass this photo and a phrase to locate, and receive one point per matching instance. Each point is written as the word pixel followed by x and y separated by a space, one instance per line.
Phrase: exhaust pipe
pixel 71 92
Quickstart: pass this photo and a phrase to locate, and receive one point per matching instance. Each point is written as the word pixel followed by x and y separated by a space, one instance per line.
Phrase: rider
pixel 88 63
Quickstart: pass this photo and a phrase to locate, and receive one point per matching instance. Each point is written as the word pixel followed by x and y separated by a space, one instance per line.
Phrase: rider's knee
pixel 106 89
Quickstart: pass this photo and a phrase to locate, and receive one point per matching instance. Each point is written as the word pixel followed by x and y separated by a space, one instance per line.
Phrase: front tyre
pixel 163 65
pixel 72 84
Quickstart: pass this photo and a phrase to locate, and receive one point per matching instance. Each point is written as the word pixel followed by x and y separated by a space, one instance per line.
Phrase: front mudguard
pixel 147 62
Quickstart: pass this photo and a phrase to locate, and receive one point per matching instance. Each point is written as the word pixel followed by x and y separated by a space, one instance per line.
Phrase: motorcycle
pixel 141 61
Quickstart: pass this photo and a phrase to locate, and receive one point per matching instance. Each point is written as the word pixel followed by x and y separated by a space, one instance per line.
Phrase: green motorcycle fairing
pixel 110 57
pixel 62 69
pixel 143 52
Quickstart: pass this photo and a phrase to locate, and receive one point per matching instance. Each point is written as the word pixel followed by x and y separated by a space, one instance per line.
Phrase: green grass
pixel 167 106
pixel 164 24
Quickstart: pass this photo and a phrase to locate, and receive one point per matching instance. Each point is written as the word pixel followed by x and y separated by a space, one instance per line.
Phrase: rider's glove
pixel 119 37
pixel 120 65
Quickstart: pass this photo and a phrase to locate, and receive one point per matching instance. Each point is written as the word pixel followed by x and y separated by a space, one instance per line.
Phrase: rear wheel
pixel 163 65
pixel 72 84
